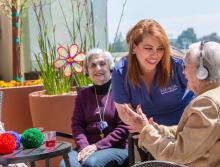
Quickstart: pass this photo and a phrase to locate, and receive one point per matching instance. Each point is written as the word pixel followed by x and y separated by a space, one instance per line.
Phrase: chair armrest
pixel 131 157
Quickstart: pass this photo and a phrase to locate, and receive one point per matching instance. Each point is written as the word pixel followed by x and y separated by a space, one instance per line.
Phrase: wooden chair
pixel 157 163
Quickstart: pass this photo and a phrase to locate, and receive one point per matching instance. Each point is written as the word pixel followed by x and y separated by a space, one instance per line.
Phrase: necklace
pixel 102 124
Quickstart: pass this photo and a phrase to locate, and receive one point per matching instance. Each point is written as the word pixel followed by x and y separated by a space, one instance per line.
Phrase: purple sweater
pixel 86 117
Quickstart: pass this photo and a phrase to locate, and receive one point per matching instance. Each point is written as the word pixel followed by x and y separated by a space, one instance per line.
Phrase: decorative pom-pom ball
pixel 7 143
pixel 32 138
pixel 17 138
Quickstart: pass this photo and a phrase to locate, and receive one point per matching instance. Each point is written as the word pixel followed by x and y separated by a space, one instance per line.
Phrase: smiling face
pixel 149 52
pixel 99 70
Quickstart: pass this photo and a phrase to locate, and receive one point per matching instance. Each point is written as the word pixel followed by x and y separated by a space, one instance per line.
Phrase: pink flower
pixel 70 59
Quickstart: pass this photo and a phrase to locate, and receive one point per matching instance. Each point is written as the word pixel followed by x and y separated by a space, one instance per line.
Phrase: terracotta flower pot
pixel 52 112
pixel 15 107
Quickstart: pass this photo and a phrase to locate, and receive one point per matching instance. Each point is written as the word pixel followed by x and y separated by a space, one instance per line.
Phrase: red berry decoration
pixel 7 143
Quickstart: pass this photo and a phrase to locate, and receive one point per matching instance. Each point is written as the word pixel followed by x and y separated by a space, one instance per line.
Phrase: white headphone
pixel 202 72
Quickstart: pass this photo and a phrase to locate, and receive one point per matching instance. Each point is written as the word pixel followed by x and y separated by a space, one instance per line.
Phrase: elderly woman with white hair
pixel 196 139
pixel 100 135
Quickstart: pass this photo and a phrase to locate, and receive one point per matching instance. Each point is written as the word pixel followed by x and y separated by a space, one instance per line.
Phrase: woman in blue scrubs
pixel 150 76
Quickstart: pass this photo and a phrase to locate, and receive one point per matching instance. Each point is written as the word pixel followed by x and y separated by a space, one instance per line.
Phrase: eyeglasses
pixel 95 64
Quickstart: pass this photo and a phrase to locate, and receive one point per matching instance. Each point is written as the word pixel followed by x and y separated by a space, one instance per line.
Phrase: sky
pixel 174 15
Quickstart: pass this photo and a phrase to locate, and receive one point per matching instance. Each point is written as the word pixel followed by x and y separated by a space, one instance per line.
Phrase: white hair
pixel 96 51
pixel 211 58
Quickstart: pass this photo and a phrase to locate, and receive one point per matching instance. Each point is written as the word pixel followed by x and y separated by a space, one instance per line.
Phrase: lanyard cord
pixel 103 114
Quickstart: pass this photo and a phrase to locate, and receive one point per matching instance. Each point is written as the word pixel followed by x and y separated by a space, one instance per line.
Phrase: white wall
pixel 100 23
pixel 62 36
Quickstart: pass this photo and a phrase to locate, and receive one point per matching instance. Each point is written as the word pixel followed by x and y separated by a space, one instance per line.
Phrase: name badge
pixel 169 89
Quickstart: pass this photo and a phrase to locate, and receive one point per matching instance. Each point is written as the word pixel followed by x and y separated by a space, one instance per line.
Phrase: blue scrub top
pixel 165 105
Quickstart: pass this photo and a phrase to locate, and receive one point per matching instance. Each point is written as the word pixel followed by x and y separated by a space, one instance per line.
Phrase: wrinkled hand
pixel 87 151
pixel 155 125
pixel 135 120
pixel 151 121
pixel 136 134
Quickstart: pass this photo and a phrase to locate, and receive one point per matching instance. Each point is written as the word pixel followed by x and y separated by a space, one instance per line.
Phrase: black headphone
pixel 202 72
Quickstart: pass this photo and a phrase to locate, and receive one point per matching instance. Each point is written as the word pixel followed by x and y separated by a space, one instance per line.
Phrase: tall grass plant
pixel 54 79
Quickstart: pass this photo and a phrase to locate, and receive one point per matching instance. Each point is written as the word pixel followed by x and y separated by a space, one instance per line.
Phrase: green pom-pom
pixel 32 138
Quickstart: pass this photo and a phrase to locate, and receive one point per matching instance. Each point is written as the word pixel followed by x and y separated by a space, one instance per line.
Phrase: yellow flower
pixel 14 83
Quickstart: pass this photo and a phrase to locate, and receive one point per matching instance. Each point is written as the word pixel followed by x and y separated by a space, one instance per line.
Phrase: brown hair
pixel 136 35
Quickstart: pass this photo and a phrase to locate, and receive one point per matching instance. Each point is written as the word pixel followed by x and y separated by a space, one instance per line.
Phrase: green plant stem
pixel 67 26
pixel 119 23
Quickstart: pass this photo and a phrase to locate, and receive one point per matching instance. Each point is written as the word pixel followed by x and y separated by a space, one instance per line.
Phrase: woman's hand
pixel 124 116
pixel 86 152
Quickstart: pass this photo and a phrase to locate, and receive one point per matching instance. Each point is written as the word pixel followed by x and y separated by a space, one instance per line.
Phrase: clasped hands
pixel 86 152
pixel 136 121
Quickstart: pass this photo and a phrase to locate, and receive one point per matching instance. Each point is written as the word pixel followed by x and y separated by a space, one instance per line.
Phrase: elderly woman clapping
pixel 196 139
pixel 100 135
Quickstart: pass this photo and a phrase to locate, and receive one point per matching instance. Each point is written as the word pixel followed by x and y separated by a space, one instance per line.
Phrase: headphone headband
pixel 202 72
pixel 202 44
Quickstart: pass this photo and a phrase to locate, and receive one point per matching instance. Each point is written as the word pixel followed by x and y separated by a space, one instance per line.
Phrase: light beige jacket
pixel 195 141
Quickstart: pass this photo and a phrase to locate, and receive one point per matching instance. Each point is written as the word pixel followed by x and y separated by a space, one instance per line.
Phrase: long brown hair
pixel 136 35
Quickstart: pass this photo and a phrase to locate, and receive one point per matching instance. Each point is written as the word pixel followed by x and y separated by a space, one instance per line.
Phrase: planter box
pixel 15 107
pixel 52 112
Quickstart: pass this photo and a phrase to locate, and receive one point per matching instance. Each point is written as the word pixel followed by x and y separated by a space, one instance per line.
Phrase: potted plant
pixel 60 69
